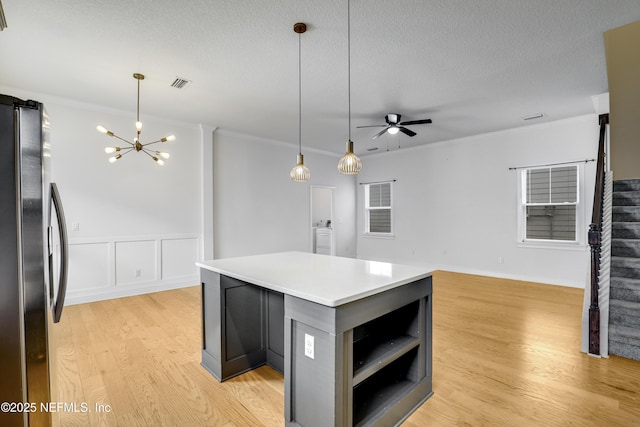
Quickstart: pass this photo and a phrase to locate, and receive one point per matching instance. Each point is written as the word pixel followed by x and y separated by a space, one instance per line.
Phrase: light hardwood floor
pixel 505 353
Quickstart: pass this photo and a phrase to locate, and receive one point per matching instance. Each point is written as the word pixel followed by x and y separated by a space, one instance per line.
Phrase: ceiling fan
pixel 394 125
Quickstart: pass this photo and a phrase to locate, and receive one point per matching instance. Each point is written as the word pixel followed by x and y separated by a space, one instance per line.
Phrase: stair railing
pixel 595 241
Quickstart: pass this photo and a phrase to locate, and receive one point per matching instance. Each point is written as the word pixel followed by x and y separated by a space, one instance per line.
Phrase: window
pixel 549 204
pixel 378 211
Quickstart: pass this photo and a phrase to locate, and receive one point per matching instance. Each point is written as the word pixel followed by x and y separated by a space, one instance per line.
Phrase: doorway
pixel 322 226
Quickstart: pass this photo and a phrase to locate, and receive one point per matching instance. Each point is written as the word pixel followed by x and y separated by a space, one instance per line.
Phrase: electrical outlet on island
pixel 309 341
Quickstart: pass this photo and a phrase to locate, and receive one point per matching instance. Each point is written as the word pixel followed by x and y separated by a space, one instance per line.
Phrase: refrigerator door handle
pixel 64 253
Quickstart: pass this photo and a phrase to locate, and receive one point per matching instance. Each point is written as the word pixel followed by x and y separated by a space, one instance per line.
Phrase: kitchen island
pixel 352 337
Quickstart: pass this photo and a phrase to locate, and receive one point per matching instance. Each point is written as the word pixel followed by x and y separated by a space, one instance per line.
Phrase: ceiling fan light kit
pixel 136 145
pixel 300 173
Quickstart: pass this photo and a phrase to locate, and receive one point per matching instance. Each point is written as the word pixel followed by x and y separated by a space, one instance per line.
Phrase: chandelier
pixel 136 145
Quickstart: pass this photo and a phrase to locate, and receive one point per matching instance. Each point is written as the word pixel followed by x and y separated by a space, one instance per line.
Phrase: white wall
pixel 258 209
pixel 455 202
pixel 138 223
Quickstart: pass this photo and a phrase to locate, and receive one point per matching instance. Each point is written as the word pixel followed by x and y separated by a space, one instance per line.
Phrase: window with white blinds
pixel 550 202
pixel 378 208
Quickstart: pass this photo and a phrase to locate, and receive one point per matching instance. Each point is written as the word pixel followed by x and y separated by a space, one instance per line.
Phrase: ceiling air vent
pixel 180 83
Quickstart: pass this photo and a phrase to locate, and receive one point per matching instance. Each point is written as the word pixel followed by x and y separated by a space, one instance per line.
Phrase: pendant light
pixel 136 144
pixel 349 164
pixel 300 173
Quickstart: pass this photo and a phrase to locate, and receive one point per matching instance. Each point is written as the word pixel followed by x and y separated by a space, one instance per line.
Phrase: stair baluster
pixel 595 241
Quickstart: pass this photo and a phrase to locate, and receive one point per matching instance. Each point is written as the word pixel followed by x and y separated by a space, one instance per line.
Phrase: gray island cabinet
pixel 352 337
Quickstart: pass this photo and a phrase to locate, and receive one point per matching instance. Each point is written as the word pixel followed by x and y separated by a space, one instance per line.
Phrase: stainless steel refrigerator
pixel 33 264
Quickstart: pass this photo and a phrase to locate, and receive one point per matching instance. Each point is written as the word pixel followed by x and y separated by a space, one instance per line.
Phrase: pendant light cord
pixel 349 62
pixel 299 95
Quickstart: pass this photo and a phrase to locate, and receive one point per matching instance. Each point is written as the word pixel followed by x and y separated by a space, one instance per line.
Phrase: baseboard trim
pixel 521 278
pixel 121 292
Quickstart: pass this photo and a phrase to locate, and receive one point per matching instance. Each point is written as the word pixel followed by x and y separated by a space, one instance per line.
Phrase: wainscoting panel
pixel 88 267
pixel 178 257
pixel 135 262
pixel 106 268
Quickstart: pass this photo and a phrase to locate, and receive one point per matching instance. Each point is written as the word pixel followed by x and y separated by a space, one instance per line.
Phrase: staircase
pixel 624 303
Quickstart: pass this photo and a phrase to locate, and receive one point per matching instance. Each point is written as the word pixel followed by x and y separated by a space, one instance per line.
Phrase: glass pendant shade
pixel 349 164
pixel 300 173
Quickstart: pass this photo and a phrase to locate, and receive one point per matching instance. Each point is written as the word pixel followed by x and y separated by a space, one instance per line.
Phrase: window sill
pixel 389 236
pixel 549 244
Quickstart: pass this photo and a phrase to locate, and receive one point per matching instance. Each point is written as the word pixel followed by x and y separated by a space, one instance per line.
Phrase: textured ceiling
pixel 471 66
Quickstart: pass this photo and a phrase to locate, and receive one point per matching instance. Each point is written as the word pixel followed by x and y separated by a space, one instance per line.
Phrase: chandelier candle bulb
pixel 104 130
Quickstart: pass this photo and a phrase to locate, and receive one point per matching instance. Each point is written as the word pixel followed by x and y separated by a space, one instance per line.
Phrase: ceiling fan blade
pixel 379 133
pixel 372 126
pixel 416 122
pixel 407 131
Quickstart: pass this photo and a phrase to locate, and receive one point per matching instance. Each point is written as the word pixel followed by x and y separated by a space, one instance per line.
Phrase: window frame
pixel 368 209
pixel 580 230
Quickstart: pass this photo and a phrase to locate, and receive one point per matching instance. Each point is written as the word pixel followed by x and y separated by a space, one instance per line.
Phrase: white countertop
pixel 324 279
